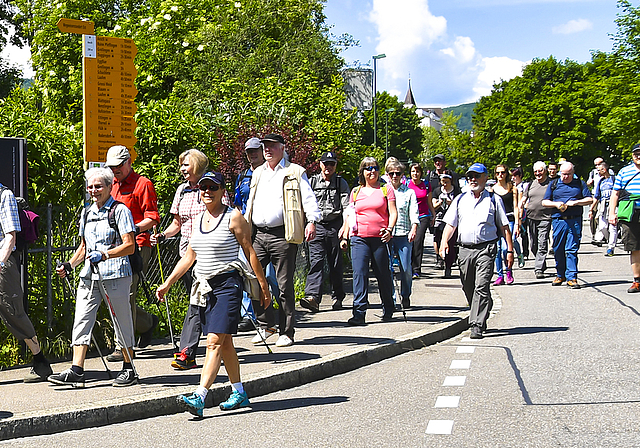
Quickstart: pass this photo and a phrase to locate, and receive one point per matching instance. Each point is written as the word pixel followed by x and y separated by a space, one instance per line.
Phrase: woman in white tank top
pixel 218 234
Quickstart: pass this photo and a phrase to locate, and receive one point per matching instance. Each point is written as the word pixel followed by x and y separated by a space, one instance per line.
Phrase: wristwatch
pixel 1 264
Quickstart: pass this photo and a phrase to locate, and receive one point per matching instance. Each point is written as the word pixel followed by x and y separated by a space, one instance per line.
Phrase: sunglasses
pixel 394 173
pixel 211 187
pixel 472 175
pixel 499 173
pixel 371 168
pixel 95 187
pixel 329 163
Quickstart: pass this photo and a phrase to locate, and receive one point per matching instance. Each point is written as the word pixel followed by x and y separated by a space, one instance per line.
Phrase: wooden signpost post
pixel 108 90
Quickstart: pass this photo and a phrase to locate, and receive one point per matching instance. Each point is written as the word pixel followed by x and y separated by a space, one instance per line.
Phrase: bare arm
pixel 172 230
pixel 181 268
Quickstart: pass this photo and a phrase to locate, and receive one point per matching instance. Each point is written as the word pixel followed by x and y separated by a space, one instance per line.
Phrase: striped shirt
pixel 216 248
pixel 99 235
pixel 9 218
pixel 187 205
pixel 407 207
pixel 625 180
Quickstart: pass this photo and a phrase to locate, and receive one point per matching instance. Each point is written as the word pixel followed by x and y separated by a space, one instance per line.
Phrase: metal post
pixel 49 273
pixel 386 133
pixel 375 114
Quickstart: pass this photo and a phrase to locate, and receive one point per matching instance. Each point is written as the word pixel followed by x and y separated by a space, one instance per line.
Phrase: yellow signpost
pixel 108 91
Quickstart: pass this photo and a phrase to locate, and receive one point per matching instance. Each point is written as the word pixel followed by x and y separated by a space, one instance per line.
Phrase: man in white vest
pixel 280 199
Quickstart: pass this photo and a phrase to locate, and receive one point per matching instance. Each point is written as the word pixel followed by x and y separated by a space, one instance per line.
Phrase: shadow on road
pixel 492 333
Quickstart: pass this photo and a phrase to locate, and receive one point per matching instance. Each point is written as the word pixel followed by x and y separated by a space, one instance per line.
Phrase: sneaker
pixel 509 278
pixel 356 322
pixel 539 274
pixel 126 377
pixel 182 361
pixel 609 253
pixel 558 281
pixel 337 305
pixel 387 318
pixel 440 264
pixel 520 261
pixel 310 303
pixel 193 404
pixel 573 284
pixel 116 356
pixel 284 341
pixel 476 332
pixel 499 281
pixel 415 275
pixel 67 377
pixel 635 287
pixel 39 372
pixel 245 325
pixel 266 334
pixel 235 401
pixel 145 338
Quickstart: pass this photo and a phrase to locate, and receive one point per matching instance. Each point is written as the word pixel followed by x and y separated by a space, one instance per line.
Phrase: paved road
pixel 558 368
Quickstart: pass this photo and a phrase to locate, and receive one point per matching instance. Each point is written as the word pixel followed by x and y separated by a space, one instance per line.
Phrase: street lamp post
pixel 375 115
pixel 386 133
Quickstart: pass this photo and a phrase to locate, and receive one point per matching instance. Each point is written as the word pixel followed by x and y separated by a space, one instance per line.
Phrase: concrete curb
pixel 164 403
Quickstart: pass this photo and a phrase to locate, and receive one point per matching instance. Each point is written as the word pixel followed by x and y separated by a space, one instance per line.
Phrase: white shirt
pixel 477 219
pixel 268 208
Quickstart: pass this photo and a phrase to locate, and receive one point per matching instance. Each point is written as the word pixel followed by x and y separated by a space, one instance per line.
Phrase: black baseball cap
pixel 329 156
pixel 273 138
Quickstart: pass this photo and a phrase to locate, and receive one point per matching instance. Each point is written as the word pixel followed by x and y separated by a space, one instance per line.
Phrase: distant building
pixel 430 116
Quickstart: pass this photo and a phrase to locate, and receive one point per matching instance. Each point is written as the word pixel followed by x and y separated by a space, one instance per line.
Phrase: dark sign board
pixel 13 165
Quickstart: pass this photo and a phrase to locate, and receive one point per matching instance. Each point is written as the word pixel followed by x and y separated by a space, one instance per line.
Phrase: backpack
pixel 135 259
pixel 29 221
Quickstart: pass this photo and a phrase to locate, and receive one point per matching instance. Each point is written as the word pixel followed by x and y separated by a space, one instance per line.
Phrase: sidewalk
pixel 324 346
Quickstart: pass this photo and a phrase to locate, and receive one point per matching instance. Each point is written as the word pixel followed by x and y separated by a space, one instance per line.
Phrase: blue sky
pixel 455 50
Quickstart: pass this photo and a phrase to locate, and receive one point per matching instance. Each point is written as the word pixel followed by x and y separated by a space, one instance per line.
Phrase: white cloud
pixel 573 26
pixel 463 50
pixel 404 27
pixel 494 70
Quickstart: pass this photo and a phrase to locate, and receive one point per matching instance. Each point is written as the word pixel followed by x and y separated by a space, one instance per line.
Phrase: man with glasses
pixel 538 217
pixel 277 185
pixel 628 183
pixel 480 219
pixel 138 194
pixel 567 195
pixel 332 194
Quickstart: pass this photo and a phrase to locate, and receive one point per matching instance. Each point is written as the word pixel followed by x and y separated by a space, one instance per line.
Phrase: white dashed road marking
pixel 447 401
pixel 466 349
pixel 439 427
pixel 454 381
pixel 460 364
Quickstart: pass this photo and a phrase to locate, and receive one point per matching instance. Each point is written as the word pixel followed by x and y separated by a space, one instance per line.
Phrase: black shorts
pixel 222 313
pixel 630 234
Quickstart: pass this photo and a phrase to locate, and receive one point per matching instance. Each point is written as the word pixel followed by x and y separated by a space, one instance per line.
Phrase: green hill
pixel 465 111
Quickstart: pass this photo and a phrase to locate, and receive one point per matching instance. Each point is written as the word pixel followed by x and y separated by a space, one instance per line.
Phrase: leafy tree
pixel 455 144
pixel 405 135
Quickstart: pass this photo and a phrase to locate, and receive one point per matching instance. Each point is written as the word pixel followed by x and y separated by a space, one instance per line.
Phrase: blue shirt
pixel 243 184
pixel 604 187
pixel 561 192
pixel 625 180
pixel 98 235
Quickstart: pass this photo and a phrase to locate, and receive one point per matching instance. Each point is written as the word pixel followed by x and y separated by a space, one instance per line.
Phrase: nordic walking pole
pixel 116 325
pixel 264 341
pixel 93 338
pixel 145 288
pixel 395 283
pixel 166 300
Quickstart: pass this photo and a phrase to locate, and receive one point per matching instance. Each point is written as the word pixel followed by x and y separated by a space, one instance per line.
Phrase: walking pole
pixel 264 341
pixel 93 338
pixel 166 300
pixel 147 292
pixel 395 283
pixel 114 318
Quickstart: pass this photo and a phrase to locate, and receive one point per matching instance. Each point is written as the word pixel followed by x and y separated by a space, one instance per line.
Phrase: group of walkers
pixel 251 237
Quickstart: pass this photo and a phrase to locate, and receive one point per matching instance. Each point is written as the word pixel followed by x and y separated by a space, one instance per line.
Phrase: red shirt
pixel 138 194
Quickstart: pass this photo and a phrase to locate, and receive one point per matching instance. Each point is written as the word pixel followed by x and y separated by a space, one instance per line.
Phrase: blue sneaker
pixel 235 401
pixel 193 403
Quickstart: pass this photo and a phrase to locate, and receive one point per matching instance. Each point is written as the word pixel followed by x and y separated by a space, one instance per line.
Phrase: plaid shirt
pixel 407 206
pixel 9 218
pixel 98 235
pixel 186 205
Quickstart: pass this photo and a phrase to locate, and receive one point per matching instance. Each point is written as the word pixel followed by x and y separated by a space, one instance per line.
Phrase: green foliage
pixel 405 136
pixel 464 112
pixel 455 144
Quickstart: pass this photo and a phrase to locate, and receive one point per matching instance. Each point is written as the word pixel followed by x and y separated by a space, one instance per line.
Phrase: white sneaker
pixel 265 332
pixel 284 341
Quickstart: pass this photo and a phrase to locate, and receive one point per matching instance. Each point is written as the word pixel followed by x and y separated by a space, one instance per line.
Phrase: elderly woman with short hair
pixel 374 216
pixel 108 248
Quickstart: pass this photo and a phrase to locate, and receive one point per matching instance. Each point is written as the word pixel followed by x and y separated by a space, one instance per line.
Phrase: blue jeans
pixel 364 251
pixel 247 307
pixel 566 243
pixel 401 248
pixel 502 251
